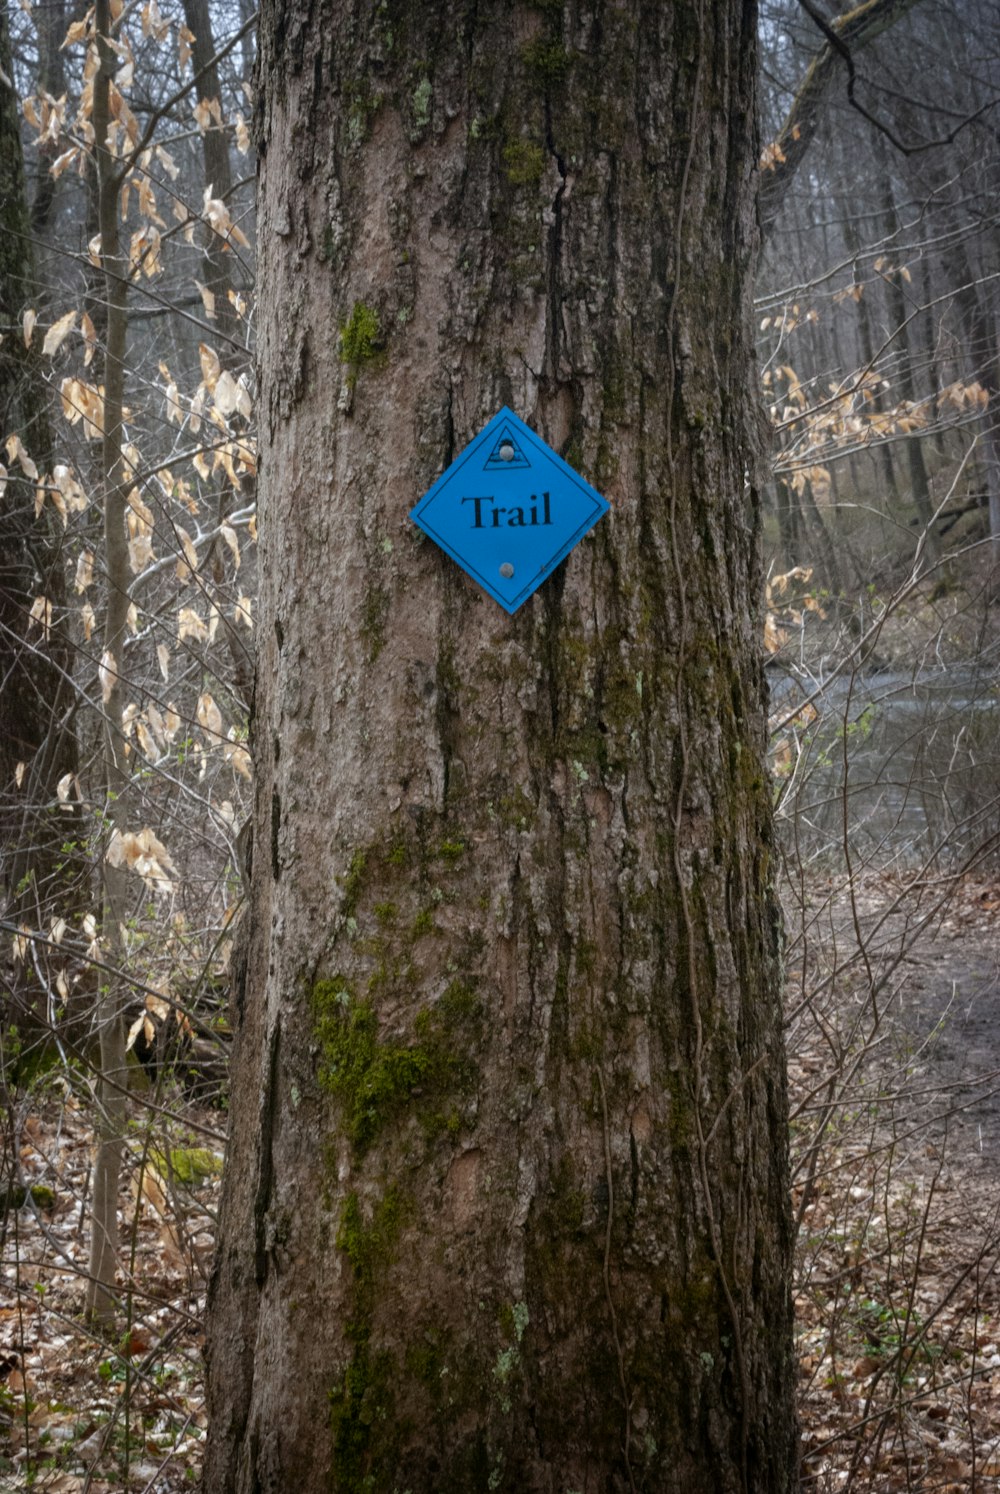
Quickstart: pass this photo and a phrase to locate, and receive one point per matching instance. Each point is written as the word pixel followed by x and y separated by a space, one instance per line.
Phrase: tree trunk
pixel 101 1304
pixel 901 310
pixel 982 364
pixel 789 517
pixel 506 1198
pixel 218 174
pixel 882 454
pixel 45 869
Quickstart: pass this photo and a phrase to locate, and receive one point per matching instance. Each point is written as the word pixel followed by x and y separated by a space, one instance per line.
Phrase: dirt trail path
pixel 939 989
pixel 952 1011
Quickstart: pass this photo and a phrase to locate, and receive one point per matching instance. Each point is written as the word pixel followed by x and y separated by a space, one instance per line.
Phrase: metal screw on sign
pixel 506 454
pixel 506 570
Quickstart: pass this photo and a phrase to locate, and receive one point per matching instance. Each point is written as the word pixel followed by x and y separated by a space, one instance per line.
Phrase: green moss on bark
pixel 359 335
pixel 524 163
pixel 352 881
pixel 362 1403
pixel 360 343
pixel 376 1081
pixel 547 60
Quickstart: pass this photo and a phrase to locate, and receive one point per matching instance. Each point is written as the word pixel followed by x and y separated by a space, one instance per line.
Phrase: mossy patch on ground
pixel 16 1196
pixel 187 1165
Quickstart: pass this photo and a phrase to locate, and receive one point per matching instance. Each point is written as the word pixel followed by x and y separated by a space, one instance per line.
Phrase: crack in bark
pixel 265 1175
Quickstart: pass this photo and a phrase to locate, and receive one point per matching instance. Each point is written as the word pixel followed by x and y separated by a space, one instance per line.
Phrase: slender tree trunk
pixel 982 363
pixel 506 1195
pixel 816 526
pixel 248 47
pixel 219 281
pixel 855 27
pixel 45 871
pixel 882 455
pixel 101 1302
pixel 218 173
pixel 900 311
pixel 840 364
pixel 786 507
pixel 51 21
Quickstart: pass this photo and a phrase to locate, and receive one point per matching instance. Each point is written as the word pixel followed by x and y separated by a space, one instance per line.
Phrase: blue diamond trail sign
pixel 508 510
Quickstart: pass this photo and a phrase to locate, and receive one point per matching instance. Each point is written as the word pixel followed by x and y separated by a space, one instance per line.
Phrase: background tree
pixel 131 731
pixel 44 871
pixel 505 1201
pixel 878 289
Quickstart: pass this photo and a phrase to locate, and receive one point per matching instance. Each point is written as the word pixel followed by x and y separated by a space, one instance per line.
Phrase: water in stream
pixel 893 767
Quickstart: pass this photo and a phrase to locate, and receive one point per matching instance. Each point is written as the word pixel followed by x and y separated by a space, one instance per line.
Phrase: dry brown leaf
pixel 144 853
pixel 77 31
pixel 16 452
pixel 140 553
pixel 41 616
pixel 190 625
pixel 239 760
pixel 82 401
pixel 209 715
pixel 147 744
pixel 775 637
pixel 187 563
pixel 226 393
pixel 171 167
pixel 57 334
pixel 210 365
pixel 70 489
pixel 107 674
pixel 228 534
pixel 153 23
pixel 215 213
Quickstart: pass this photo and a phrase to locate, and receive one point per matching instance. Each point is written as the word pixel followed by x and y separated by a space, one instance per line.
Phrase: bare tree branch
pixel 844 36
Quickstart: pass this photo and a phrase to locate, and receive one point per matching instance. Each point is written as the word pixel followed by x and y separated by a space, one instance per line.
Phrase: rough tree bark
pixel 506 1197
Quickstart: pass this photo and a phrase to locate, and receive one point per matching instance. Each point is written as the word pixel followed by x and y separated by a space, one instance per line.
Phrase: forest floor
pixel 78 1412
pixel 896 1149
pixel 898 1279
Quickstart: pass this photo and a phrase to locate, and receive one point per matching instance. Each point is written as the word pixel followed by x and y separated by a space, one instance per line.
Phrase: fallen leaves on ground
pixel 77 1412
